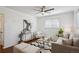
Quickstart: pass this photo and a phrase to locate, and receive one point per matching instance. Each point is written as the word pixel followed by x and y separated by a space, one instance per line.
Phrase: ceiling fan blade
pixel 37 10
pixel 49 10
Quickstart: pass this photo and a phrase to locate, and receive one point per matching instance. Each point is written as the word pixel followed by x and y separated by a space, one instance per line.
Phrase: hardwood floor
pixel 7 50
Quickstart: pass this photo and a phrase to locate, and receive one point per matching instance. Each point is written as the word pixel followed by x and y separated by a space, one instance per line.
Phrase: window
pixel 52 23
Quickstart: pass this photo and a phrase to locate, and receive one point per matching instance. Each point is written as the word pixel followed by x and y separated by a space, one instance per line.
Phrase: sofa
pixel 59 48
pixel 66 45
pixel 26 48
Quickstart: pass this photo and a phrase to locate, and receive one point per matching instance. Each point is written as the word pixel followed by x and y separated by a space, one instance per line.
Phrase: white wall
pixel 65 19
pixel 13 25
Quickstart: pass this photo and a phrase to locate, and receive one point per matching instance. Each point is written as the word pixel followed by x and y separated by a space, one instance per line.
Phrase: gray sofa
pixel 57 48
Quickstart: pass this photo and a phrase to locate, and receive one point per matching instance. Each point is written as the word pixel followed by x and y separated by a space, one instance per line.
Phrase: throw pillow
pixel 59 41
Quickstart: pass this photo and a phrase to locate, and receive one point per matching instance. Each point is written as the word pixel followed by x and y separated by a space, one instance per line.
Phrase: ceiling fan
pixel 43 10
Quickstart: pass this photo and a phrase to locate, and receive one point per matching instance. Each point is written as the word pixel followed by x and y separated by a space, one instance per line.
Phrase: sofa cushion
pixel 54 38
pixel 76 39
pixel 26 48
pixel 67 42
pixel 66 35
pixel 31 49
pixel 76 42
pixel 59 41
pixel 71 36
pixel 21 45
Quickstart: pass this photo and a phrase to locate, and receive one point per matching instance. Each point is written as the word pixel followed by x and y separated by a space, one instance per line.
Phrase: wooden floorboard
pixel 7 50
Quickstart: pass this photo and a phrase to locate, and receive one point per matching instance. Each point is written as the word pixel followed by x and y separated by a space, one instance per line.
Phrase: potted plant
pixel 60 32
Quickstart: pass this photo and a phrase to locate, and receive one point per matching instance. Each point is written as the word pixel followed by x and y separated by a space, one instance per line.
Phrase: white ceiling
pixel 31 9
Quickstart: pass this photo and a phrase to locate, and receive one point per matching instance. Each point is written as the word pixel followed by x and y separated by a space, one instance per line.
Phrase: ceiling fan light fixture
pixel 42 13
pixel 44 10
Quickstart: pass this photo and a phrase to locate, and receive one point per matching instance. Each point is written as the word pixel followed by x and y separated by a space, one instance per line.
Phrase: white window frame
pixel 53 23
